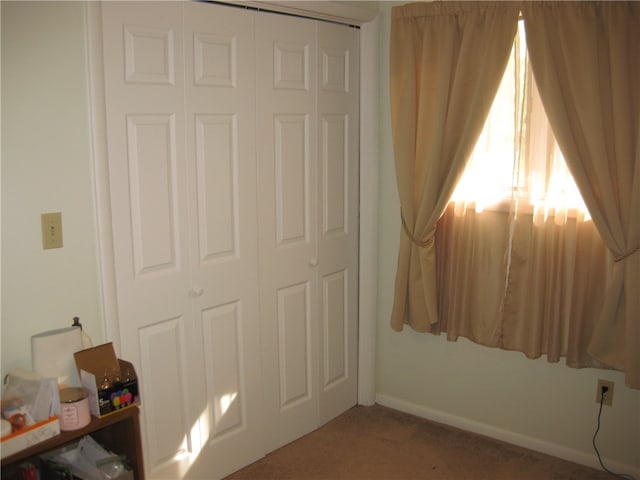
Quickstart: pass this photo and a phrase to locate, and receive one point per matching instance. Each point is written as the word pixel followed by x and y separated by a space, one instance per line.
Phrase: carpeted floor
pixel 380 443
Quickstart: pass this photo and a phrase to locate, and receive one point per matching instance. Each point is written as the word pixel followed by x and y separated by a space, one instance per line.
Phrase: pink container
pixel 74 409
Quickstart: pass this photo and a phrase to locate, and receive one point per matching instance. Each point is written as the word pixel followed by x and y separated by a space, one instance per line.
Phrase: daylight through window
pixel 516 158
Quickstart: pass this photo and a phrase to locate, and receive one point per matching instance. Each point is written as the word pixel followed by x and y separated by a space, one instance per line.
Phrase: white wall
pixel 46 167
pixel 499 393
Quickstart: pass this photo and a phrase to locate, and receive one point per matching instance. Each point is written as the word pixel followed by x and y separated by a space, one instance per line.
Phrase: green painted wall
pixel 46 167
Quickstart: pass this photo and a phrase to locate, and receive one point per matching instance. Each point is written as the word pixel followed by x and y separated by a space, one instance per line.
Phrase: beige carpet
pixel 380 443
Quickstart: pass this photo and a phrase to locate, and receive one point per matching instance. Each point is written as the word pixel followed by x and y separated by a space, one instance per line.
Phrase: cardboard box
pixel 29 436
pixel 111 383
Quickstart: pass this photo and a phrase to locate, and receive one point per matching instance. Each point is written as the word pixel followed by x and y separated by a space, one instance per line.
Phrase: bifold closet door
pixel 338 128
pixel 307 138
pixel 220 126
pixel 180 105
pixel 287 169
pixel 232 140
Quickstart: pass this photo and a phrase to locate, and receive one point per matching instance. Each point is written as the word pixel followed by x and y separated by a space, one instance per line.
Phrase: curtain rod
pixel 278 12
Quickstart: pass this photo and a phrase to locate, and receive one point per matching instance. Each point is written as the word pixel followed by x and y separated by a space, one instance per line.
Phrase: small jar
pixel 74 408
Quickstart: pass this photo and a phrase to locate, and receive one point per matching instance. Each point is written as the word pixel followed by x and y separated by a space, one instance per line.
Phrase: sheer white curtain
pixel 517 163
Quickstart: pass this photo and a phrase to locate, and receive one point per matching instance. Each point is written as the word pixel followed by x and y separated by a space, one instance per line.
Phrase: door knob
pixel 196 291
pixel 313 262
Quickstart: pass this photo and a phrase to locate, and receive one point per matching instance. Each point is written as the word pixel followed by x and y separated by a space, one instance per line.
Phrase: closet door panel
pixel 220 148
pixel 338 182
pixel 287 204
pixel 143 64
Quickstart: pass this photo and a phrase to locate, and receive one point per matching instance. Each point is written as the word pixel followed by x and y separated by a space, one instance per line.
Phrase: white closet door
pixel 287 193
pixel 180 128
pixel 338 188
pixel 308 104
pixel 233 161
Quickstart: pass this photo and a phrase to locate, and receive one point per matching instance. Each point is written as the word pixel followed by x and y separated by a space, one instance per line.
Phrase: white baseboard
pixel 542 446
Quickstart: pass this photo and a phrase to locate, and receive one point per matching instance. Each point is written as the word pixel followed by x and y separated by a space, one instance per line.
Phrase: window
pixel 516 158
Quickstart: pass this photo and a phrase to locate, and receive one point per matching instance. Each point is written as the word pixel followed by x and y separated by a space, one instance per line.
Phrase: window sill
pixel 523 206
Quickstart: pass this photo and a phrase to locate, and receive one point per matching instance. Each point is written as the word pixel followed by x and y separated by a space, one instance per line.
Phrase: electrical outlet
pixel 608 396
pixel 51 230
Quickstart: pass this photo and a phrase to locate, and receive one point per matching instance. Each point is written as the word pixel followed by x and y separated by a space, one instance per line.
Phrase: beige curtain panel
pixel 586 60
pixel 447 60
pixel 529 273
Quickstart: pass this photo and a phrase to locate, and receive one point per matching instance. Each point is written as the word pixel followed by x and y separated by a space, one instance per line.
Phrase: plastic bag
pixel 88 460
pixel 38 398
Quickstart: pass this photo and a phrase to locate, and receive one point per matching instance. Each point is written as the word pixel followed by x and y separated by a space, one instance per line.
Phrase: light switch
pixel 51 230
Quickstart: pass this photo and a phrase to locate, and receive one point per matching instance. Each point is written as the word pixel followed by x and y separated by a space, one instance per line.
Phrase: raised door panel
pixel 163 363
pixel 294 345
pixel 222 328
pixel 287 216
pixel 216 147
pixel 338 182
pixel 154 236
pixel 291 164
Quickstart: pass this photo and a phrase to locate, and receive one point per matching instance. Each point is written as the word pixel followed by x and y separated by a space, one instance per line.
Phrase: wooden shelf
pixel 118 432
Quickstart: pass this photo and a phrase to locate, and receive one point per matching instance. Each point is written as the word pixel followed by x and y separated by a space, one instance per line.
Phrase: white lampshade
pixel 52 354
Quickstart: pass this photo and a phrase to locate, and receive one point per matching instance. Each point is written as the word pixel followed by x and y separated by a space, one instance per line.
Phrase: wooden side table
pixel 118 432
